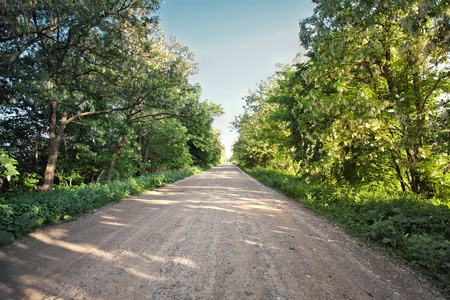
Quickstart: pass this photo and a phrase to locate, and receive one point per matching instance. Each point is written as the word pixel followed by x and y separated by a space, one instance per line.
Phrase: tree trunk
pixel 399 175
pixel 419 183
pixel 145 153
pixel 36 156
pixel 116 154
pixel 100 176
pixel 55 141
pixel 13 56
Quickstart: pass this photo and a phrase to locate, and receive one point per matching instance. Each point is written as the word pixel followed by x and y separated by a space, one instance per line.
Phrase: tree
pixel 380 80
pixel 165 146
pixel 85 54
pixel 204 142
pixel 294 108
pixel 156 88
pixel 262 133
pixel 81 63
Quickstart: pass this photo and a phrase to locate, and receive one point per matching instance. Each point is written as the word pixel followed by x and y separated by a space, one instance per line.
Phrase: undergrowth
pixel 408 227
pixel 20 214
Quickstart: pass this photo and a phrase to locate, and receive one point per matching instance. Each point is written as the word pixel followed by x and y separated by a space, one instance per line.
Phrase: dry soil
pixel 216 235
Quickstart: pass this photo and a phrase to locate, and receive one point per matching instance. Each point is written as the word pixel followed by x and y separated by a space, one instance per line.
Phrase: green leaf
pixel 26 221
pixel 6 237
pixel 68 218
pixel 23 220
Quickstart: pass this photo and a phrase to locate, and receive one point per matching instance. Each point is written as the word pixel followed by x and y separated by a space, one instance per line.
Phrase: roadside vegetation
pixel 359 129
pixel 23 213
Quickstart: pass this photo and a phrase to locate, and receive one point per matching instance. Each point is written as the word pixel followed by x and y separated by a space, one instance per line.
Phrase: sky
pixel 236 45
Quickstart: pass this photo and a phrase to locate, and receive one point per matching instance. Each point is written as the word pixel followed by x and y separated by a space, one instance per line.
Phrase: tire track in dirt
pixel 216 235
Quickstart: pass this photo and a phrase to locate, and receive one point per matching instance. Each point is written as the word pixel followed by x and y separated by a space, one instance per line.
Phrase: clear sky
pixel 236 44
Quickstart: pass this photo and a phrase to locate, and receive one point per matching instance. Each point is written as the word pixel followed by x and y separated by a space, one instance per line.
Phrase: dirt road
pixel 216 235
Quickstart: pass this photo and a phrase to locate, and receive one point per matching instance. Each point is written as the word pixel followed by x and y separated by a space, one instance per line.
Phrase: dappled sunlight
pixel 184 261
pixel 161 202
pixel 140 274
pixel 324 240
pixel 114 224
pixel 31 286
pixel 11 258
pixel 212 207
pixel 194 201
pixel 258 243
pixel 286 228
pixel 48 257
pixel 58 233
pixel 153 201
pixel 149 250
pixel 6 288
pixel 155 258
pixel 33 293
pixel 80 248
pixel 186 241
pixel 144 266
pixel 279 232
pixel 262 207
pixel 173 260
pixel 108 217
pixel 253 243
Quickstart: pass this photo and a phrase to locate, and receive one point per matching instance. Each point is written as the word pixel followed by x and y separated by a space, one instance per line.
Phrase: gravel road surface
pixel 216 235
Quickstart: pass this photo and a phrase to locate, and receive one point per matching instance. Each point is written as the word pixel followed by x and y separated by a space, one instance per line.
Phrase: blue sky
pixel 236 44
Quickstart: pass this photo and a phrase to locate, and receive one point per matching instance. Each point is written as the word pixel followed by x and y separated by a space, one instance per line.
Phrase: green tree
pixel 379 80
pixel 262 133
pixel 92 58
pixel 73 46
pixel 204 142
pixel 294 108
pixel 167 146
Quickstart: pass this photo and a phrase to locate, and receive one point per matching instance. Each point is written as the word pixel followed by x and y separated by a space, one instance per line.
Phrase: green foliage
pixel 6 237
pixel 262 134
pixel 379 81
pixel 8 169
pixel 370 104
pixel 166 146
pixel 406 226
pixel 85 94
pixel 7 163
pixel 204 141
pixel 23 213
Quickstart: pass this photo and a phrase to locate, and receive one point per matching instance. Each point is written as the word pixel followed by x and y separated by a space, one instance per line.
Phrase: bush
pixel 409 227
pixel 23 213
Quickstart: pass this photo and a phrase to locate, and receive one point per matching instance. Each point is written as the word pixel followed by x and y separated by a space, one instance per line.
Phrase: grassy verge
pixel 411 229
pixel 21 214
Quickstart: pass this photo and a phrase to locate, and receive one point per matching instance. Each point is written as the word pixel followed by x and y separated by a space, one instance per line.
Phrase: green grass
pixel 20 214
pixel 408 227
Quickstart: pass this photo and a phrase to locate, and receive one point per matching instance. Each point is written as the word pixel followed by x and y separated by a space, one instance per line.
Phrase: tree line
pixel 370 104
pixel 93 90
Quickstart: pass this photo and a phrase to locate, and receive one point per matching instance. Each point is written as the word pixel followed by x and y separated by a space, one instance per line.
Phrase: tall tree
pixel 164 146
pixel 81 51
pixel 380 80
pixel 204 141
pixel 262 134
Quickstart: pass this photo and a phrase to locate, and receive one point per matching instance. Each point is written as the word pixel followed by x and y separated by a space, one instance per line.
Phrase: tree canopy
pixel 371 102
pixel 89 87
